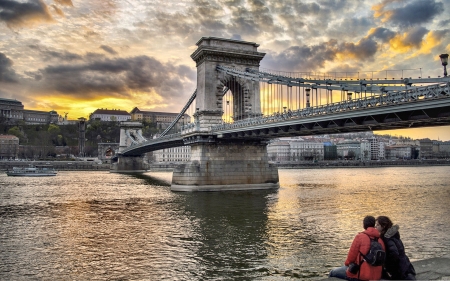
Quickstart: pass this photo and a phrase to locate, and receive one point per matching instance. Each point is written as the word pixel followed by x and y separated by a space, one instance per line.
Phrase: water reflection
pixel 231 229
pixel 101 226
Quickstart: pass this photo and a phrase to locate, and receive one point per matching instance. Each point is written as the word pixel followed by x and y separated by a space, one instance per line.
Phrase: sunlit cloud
pixel 403 43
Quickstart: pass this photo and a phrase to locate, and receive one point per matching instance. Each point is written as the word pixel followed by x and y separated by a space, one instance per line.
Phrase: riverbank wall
pixel 332 164
pixel 164 166
pixel 428 269
pixel 362 164
pixel 57 165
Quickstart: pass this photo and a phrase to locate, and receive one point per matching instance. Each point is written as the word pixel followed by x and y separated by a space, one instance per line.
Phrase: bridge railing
pixel 385 99
pixel 153 141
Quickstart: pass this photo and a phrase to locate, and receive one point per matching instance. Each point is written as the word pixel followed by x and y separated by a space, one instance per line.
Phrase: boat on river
pixel 32 171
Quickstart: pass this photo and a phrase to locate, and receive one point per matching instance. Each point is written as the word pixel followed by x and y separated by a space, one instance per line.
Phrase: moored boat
pixel 36 171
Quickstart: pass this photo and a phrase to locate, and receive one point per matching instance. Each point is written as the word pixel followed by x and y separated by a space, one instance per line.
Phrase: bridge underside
pixel 357 123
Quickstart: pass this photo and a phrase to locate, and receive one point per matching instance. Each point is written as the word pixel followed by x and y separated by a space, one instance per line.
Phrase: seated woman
pixel 397 265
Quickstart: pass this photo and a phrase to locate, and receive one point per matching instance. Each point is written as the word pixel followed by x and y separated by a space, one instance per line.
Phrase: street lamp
pixel 444 60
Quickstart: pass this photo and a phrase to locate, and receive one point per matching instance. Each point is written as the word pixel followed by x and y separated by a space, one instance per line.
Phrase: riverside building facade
pixel 9 147
pixel 162 119
pixel 110 115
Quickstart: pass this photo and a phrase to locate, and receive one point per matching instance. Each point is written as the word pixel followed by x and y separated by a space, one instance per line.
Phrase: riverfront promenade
pixel 429 269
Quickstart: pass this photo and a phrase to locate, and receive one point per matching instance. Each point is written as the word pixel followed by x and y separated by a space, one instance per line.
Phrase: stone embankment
pixel 361 164
pixel 58 165
pixel 429 269
pixel 332 164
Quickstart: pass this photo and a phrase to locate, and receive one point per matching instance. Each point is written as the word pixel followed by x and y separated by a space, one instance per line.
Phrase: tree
pixel 54 132
pixel 18 133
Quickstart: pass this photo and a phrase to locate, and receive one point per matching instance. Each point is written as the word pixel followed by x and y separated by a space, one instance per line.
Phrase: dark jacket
pixel 397 265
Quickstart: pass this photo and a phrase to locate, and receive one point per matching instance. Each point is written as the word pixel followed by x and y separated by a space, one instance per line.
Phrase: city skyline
pixel 76 56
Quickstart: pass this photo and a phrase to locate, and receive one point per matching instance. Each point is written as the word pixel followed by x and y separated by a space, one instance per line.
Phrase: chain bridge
pixel 237 107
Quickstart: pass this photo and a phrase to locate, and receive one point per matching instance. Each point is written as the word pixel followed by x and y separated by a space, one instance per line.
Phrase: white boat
pixel 37 171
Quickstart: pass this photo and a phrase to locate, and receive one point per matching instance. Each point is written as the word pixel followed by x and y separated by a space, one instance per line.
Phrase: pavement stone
pixel 428 269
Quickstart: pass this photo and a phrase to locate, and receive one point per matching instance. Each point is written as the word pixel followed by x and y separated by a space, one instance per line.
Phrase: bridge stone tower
pixel 130 133
pixel 240 55
pixel 217 163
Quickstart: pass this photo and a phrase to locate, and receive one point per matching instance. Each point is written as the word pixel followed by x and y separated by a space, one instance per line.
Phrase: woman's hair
pixel 385 224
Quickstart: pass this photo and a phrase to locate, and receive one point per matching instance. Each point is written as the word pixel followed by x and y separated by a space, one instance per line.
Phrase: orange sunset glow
pixel 75 56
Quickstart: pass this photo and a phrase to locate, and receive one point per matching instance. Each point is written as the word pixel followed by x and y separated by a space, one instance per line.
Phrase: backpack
pixel 376 255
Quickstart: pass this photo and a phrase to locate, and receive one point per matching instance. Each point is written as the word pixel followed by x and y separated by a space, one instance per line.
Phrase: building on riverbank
pixel 9 147
pixel 110 115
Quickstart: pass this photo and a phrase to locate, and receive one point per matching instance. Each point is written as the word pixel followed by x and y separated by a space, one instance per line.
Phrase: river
pixel 102 226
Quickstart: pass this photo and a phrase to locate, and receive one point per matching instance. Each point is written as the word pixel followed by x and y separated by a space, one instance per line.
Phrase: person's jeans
pixel 339 272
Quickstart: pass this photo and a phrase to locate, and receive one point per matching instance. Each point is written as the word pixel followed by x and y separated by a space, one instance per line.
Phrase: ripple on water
pixel 102 226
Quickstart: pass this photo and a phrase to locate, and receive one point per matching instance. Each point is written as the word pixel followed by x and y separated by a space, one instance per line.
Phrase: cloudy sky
pixel 79 55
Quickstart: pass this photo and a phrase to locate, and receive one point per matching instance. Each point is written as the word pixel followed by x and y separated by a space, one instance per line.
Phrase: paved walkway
pixel 429 269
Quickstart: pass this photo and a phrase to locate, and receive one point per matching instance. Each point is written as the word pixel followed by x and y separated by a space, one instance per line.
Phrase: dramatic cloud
pixel 117 78
pixel 307 58
pixel 7 74
pixel 384 34
pixel 412 39
pixel 19 14
pixel 406 14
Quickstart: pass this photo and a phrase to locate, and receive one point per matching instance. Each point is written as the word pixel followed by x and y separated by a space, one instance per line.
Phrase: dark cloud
pixel 365 49
pixel 117 77
pixel 15 13
pixel 415 13
pixel 350 28
pixel 7 73
pixel 302 58
pixel 34 75
pixel 236 37
pixel 440 34
pixel 383 34
pixel 253 19
pixel 415 36
pixel 108 49
pixel 310 58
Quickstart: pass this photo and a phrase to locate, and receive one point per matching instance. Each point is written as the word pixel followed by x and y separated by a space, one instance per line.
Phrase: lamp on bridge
pixel 444 60
pixel 307 97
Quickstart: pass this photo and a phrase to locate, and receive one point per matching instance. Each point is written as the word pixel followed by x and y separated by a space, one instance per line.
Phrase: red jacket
pixel 361 243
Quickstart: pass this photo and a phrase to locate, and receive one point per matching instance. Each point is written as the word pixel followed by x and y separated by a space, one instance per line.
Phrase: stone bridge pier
pixel 226 165
pixel 217 163
pixel 130 134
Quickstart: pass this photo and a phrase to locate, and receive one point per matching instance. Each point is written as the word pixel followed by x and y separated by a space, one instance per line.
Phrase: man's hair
pixel 369 221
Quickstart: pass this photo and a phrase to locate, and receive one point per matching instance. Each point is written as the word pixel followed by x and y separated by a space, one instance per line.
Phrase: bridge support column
pixel 128 164
pixel 226 166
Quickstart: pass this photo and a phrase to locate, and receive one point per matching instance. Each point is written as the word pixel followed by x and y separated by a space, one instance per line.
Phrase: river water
pixel 102 226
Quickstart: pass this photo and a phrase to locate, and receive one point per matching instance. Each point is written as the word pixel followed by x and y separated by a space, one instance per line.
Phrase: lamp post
pixel 444 61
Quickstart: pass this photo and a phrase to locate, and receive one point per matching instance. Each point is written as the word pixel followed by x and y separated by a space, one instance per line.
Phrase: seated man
pixel 361 244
